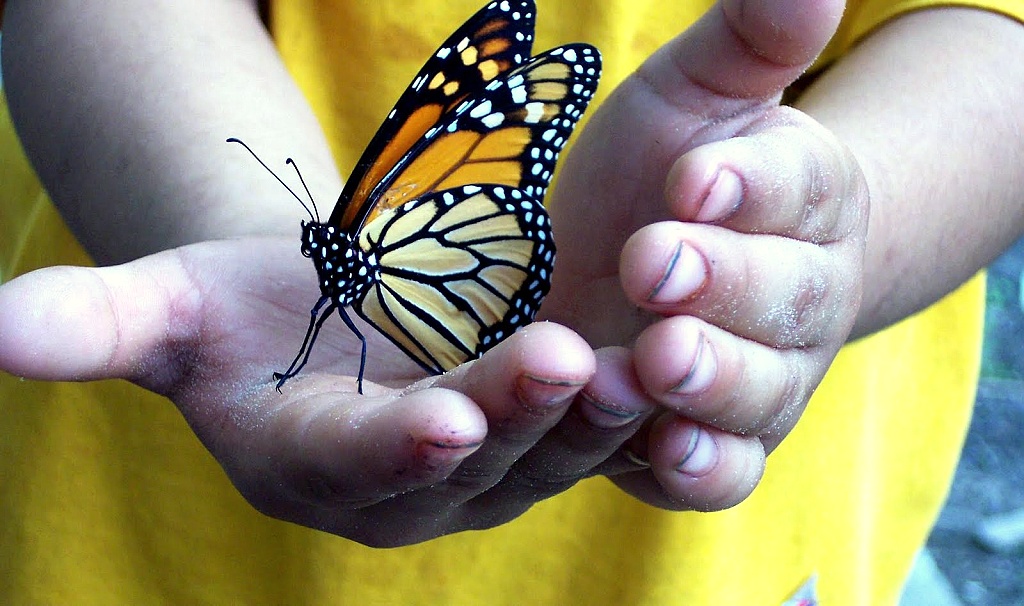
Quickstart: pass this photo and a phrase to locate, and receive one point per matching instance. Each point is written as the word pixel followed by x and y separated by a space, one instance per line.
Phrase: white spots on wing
pixel 534 112
pixel 481 110
pixel 494 120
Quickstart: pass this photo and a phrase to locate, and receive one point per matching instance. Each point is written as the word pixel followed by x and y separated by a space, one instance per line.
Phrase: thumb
pixel 79 323
pixel 213 309
pixel 743 50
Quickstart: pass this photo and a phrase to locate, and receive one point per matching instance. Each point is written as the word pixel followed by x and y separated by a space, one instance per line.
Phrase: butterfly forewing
pixel 459 271
pixel 495 40
pixel 509 134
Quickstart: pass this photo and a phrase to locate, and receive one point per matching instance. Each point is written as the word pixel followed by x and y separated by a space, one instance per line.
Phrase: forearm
pixel 930 106
pixel 124 107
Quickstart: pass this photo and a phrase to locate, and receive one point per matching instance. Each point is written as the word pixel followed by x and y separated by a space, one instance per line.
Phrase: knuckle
pixel 761 401
pixel 803 322
pixel 785 406
pixel 819 211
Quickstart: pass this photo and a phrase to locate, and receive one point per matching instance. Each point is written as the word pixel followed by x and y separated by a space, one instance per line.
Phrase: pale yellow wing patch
pixel 452 267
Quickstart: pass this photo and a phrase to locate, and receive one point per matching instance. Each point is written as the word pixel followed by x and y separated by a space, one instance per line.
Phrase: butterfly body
pixel 344 269
pixel 440 239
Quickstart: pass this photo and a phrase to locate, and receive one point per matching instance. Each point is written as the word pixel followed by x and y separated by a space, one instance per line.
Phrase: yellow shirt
pixel 106 496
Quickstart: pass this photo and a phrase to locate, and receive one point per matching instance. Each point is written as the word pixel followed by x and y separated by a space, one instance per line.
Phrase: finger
pixel 452 437
pixel 694 467
pixel 523 386
pixel 709 375
pixel 608 411
pixel 777 291
pixel 784 175
pixel 319 456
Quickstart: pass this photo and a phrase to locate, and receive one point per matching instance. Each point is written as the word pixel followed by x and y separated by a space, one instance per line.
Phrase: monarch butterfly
pixel 440 239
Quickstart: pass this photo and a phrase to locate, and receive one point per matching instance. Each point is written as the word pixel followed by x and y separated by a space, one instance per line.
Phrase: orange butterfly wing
pixel 493 41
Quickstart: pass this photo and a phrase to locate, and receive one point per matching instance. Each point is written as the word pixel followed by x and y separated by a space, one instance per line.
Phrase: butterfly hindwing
pixel 459 271
pixel 496 39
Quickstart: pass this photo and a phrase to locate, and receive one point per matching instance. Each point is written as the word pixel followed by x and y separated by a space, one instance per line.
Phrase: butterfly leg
pixel 362 342
pixel 315 324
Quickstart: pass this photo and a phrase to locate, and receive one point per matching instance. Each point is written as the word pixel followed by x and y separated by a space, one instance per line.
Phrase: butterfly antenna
pixel 316 211
pixel 292 192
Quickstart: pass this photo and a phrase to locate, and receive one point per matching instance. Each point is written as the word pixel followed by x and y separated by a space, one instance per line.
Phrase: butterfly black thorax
pixel 346 272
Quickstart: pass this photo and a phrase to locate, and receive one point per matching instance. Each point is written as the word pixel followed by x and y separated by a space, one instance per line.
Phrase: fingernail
pixel 701 454
pixel 634 458
pixel 437 457
pixel 683 278
pixel 702 370
pixel 604 415
pixel 724 196
pixel 542 394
